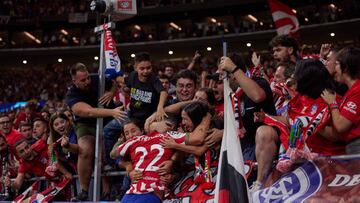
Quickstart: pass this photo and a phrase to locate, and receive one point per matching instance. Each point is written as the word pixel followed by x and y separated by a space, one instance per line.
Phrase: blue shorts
pixel 141 198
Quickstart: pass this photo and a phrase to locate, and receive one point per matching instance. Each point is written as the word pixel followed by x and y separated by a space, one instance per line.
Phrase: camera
pixel 117 9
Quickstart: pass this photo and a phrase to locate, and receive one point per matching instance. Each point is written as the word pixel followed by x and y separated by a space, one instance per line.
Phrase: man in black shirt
pixel 82 98
pixel 255 95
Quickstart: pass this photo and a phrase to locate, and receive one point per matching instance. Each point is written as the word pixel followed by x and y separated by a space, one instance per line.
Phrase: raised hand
pixel 168 142
pixel 64 141
pixel 255 59
pixel 324 50
pixel 214 135
pixel 165 167
pixel 226 64
pixel 160 114
pixel 135 175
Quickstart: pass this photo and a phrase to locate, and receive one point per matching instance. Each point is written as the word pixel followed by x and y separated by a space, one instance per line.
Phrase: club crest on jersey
pixel 295 186
pixel 314 109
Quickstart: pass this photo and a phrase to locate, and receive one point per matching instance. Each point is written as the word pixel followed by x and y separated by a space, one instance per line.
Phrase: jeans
pixel 112 131
pixel 125 183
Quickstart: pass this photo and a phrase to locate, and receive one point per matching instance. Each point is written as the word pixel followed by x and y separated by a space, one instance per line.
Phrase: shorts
pixel 82 130
pixel 141 198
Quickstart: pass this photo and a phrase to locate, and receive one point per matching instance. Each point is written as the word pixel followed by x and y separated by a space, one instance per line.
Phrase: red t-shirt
pixel 146 155
pixel 350 109
pixel 219 109
pixel 13 137
pixel 38 165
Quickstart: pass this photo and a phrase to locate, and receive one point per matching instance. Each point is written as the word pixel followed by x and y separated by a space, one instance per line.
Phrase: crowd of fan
pixel 321 13
pixel 44 8
pixel 48 83
pixel 52 81
pixel 41 8
pixel 144 107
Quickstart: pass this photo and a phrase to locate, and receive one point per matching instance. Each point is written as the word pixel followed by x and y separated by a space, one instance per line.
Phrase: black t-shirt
pixel 248 107
pixel 144 95
pixel 75 95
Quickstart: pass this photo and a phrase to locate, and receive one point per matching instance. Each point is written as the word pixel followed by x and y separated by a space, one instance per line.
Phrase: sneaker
pixel 82 196
pixel 255 186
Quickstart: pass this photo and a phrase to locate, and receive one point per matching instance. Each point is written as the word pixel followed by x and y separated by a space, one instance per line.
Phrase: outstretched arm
pixel 175 108
pixel 196 150
pixel 83 109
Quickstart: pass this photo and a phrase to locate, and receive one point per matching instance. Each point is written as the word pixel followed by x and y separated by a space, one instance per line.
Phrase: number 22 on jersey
pixel 155 153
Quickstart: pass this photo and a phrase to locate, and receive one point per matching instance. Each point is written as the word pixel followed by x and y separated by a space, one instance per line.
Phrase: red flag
pixel 284 17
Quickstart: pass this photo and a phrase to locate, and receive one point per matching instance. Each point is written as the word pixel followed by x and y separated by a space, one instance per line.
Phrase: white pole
pixel 224 46
pixel 99 123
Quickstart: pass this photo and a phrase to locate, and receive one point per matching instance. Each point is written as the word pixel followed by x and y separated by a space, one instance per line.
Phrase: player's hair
pixel 138 123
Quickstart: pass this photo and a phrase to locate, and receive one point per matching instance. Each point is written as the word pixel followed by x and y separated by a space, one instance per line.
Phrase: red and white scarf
pixel 306 117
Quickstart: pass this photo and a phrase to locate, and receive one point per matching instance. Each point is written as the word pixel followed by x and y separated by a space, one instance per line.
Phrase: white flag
pixel 231 185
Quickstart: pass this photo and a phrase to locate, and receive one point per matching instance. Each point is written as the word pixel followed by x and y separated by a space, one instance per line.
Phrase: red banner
pixel 324 180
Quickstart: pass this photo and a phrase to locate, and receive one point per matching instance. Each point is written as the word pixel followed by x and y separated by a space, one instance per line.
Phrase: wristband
pixel 334 105
pixel 235 69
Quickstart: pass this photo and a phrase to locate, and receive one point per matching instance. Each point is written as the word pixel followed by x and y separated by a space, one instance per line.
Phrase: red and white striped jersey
pixel 146 155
